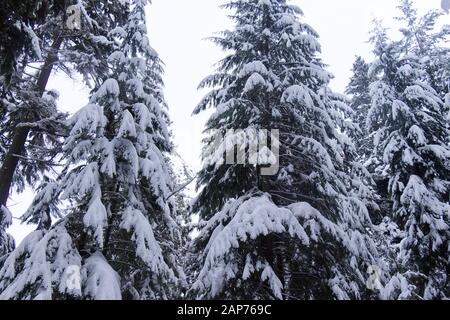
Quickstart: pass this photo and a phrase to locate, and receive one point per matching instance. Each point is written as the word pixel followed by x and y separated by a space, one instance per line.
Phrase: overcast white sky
pixel 177 30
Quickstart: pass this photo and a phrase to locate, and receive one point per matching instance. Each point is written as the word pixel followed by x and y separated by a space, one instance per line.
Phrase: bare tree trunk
pixel 20 136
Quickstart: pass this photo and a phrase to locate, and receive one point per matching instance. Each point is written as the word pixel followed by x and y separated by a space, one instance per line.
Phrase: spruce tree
pixel 299 233
pixel 423 38
pixel 412 152
pixel 358 90
pixel 19 46
pixel 34 42
pixel 119 226
pixel 360 103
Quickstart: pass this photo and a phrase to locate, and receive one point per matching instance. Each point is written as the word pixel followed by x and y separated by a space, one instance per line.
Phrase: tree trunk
pixel 20 135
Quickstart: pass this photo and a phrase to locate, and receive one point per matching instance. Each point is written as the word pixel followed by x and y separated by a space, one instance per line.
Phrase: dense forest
pixel 305 193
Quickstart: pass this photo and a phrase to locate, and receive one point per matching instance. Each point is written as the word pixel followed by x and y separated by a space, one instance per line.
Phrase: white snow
pixel 95 219
pixel 35 41
pixel 253 67
pixel 100 281
pixel 48 256
pixel 128 127
pixel 253 82
pixel 109 87
pixel 147 248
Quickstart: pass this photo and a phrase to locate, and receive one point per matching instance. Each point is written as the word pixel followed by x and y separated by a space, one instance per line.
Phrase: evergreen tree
pixel 412 152
pixel 183 178
pixel 119 228
pixel 360 103
pixel 358 89
pixel 423 38
pixel 299 233
pixel 19 104
pixel 34 42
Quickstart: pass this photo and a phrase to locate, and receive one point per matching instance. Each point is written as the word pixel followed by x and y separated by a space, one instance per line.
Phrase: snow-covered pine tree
pixel 299 234
pixel 34 41
pixel 119 227
pixel 25 104
pixel 358 89
pixel 183 177
pixel 360 103
pixel 18 44
pixel 412 152
pixel 423 38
